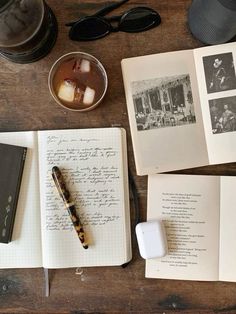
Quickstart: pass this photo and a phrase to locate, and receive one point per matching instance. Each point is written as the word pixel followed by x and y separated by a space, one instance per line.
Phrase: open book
pixel 182 108
pixel 199 217
pixel 94 165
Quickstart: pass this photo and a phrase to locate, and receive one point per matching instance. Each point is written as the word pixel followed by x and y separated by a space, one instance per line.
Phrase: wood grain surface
pixel 25 104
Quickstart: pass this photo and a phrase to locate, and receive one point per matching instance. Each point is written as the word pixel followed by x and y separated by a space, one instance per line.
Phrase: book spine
pixel 22 163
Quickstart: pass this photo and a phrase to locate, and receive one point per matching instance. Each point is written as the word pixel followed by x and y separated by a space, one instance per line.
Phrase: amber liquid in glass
pixel 69 71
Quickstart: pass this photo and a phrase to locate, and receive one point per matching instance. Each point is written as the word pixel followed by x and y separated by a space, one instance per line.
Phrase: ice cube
pixel 85 66
pixel 89 96
pixel 81 65
pixel 67 90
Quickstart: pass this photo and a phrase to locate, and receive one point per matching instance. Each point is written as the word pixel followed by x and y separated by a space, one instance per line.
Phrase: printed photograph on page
pixel 223 114
pixel 163 102
pixel 219 72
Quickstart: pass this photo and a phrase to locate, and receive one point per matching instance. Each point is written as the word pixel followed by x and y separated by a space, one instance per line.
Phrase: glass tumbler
pixel 28 30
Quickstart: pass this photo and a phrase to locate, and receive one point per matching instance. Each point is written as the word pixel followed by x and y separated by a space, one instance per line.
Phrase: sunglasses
pixel 96 26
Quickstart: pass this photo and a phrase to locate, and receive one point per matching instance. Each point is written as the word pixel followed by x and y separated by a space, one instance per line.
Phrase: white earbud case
pixel 151 238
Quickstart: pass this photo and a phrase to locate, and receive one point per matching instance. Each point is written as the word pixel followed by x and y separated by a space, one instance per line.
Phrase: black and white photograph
pixel 223 114
pixel 219 72
pixel 163 102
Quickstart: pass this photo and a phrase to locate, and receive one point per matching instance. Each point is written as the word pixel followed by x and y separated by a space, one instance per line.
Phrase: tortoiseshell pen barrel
pixel 69 204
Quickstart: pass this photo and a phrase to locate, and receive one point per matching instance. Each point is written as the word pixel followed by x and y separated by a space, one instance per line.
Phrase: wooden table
pixel 25 104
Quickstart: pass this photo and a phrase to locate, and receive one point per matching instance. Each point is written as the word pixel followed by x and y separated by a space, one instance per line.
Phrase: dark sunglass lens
pixel 89 28
pixel 139 19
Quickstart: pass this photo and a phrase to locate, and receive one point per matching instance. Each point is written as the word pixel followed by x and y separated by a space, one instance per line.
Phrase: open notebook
pixel 94 164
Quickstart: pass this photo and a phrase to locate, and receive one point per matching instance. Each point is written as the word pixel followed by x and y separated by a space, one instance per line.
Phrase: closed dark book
pixel 12 159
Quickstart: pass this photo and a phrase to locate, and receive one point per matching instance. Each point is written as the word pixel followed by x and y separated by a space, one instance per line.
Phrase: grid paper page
pixel 92 165
pixel 25 249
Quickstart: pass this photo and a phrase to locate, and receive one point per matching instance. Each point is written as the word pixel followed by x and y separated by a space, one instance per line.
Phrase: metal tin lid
pixel 4 4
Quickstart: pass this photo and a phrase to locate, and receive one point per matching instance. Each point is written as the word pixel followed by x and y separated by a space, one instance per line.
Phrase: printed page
pixel 189 207
pixel 25 249
pixel 92 165
pixel 215 67
pixel 227 229
pixel 164 112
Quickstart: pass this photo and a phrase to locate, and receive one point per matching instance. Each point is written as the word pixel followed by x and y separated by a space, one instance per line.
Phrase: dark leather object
pixel 12 160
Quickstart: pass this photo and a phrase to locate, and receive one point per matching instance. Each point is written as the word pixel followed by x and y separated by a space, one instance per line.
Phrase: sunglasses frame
pixel 132 10
pixel 73 31
pixel 110 28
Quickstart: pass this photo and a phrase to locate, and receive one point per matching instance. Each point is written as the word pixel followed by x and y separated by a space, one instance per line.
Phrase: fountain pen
pixel 69 204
